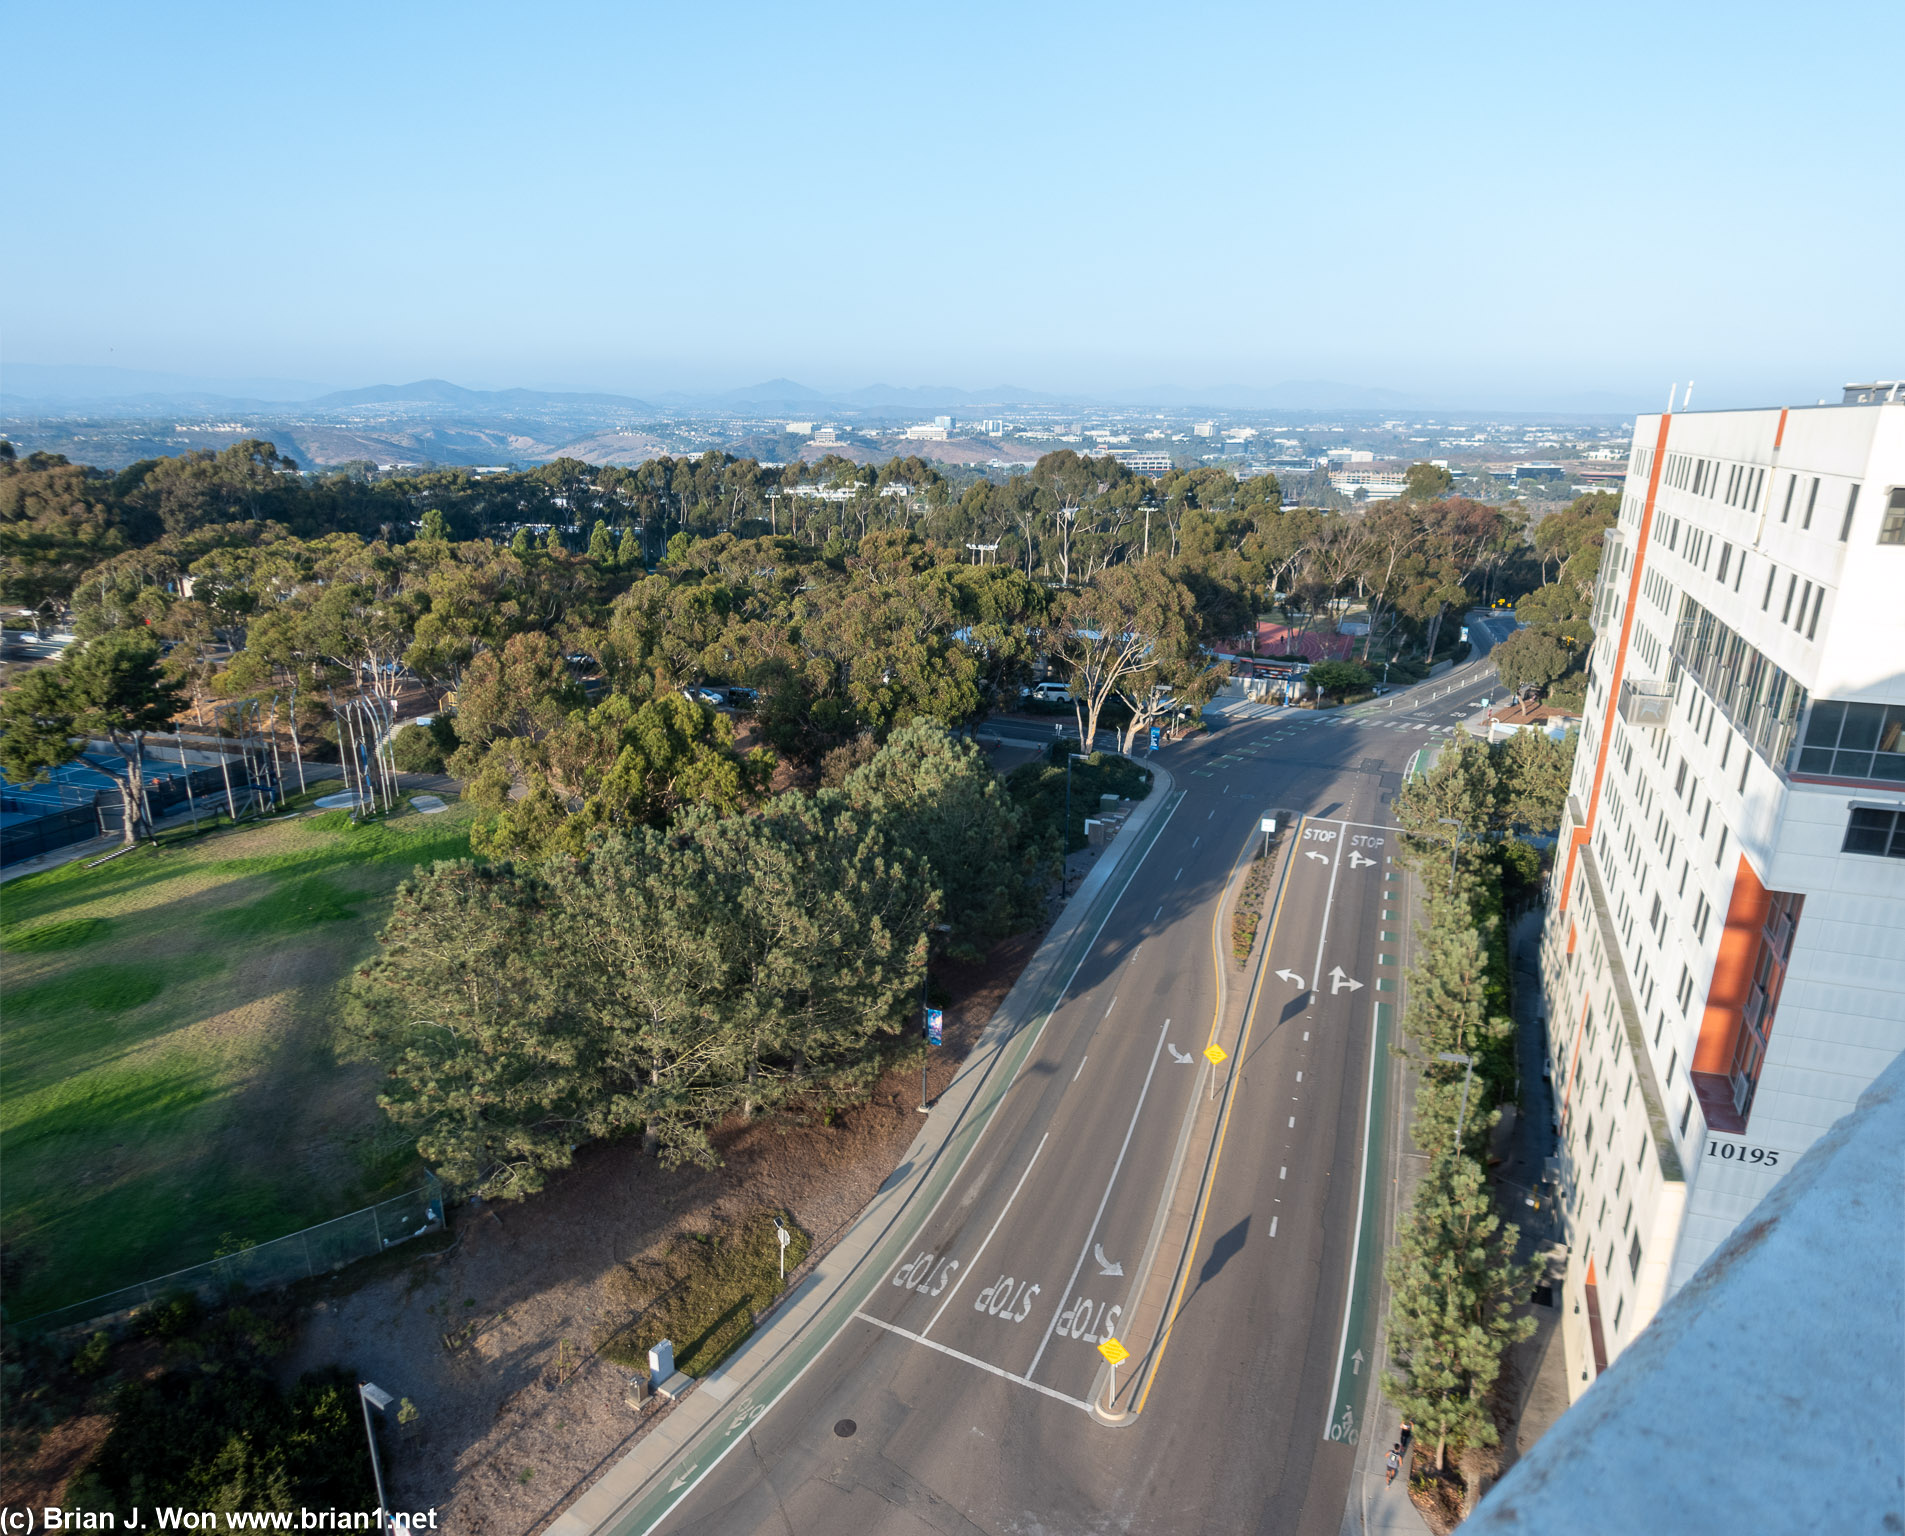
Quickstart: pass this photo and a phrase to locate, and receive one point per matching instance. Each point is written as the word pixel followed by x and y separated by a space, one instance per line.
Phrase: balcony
pixel 1648 705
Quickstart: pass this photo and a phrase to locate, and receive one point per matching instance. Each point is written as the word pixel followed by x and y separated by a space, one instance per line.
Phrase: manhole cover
pixel 845 1428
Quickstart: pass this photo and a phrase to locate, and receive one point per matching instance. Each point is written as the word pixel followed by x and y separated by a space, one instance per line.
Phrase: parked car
pixel 714 698
pixel 1049 692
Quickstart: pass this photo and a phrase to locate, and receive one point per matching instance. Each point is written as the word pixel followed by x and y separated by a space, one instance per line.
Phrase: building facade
pixel 1723 961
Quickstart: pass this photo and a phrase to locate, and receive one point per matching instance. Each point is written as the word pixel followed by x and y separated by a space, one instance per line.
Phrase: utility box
pixel 665 1380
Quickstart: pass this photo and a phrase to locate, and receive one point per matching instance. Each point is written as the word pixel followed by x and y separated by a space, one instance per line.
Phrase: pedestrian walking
pixel 1393 1462
pixel 1408 1433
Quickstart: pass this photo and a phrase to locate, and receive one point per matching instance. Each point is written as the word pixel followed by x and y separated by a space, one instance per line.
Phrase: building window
pixel 1891 526
pixel 1792 484
pixel 1633 1258
pixel 1812 496
pixel 1855 741
pixel 1875 831
pixel 1619 1307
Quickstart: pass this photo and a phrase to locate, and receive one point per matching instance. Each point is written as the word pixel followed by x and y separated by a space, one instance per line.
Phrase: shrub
pixel 1338 676
pixel 424 748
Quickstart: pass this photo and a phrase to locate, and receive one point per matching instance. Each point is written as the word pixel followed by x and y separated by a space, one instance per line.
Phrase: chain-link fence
pixel 265 1266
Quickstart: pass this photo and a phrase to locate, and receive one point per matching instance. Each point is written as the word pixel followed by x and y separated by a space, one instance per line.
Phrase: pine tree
pixel 433 527
pixel 629 555
pixel 521 545
pixel 601 547
pixel 1454 1283
pixel 1448 1013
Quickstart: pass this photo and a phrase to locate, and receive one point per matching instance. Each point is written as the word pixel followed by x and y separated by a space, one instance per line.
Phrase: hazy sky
pixel 1483 204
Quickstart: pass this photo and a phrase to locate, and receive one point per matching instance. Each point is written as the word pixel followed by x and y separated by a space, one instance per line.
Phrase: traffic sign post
pixel 1269 831
pixel 1214 1054
pixel 1115 1355
pixel 781 1234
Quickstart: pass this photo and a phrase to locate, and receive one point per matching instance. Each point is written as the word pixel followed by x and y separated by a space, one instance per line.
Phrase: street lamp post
pixel 1468 1076
pixel 926 1016
pixel 1454 845
pixel 373 1396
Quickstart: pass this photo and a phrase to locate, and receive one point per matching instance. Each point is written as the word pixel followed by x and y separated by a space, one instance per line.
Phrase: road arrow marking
pixel 1357 1368
pixel 1180 1057
pixel 1321 858
pixel 1357 861
pixel 1341 983
pixel 1292 976
pixel 690 1472
pixel 1105 1266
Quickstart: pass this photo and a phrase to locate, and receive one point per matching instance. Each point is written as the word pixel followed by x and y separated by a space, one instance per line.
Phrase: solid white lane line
pixel 1178 876
pixel 1316 973
pixel 984 1365
pixel 995 1227
pixel 1079 1073
pixel 1092 1233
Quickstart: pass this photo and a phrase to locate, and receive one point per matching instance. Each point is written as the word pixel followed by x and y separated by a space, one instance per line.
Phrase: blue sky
pixel 1476 204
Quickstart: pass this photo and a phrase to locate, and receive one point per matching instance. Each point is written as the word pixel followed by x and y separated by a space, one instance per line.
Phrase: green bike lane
pixel 748 1386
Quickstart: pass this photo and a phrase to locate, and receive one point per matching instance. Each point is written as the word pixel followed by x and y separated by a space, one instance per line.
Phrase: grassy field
pixel 167 1084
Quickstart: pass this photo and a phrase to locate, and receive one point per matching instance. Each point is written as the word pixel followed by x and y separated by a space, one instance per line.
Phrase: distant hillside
pixel 442 392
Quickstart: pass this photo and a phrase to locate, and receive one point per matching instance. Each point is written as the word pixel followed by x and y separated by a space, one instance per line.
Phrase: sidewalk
pixel 717 1412
pixel 1534 1372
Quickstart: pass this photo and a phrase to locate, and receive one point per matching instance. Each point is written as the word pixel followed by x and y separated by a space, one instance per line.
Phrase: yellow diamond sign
pixel 1214 1054
pixel 1113 1351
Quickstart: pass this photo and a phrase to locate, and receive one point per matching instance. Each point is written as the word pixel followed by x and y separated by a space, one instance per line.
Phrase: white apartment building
pixel 1724 955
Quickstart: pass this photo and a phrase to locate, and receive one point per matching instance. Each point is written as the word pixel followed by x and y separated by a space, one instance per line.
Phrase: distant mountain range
pixel 29 388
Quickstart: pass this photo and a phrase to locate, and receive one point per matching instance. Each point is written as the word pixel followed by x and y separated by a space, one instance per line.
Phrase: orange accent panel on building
pixel 1732 972
pixel 1779 436
pixel 1620 652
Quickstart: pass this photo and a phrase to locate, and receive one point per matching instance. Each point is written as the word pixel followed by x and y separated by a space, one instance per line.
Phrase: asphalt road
pixel 956 1399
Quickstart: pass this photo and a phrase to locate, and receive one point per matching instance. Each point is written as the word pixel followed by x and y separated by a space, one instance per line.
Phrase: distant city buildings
pixel 936 433
pixel 799 428
pixel 1724 956
pixel 1204 429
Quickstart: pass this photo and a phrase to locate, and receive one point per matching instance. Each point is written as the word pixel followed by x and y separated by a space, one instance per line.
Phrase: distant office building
pixel 1724 953
pixel 1350 456
pixel 1204 429
pixel 936 433
pixel 1541 471
pixel 800 428
pixel 1143 461
pixel 826 437
pixel 944 421
pixel 992 426
pixel 1364 482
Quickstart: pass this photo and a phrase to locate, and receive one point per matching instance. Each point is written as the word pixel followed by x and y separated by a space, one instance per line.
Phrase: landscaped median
pixel 668 1461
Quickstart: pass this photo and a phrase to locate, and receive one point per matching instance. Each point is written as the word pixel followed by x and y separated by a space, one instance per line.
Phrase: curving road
pixel 957 1397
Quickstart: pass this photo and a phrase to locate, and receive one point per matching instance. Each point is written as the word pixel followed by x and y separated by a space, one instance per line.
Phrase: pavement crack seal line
pixel 1137 1388
pixel 698 1438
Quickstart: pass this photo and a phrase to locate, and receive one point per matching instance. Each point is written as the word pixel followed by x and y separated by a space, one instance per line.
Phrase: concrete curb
pixel 631 1497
